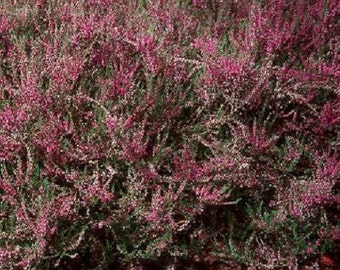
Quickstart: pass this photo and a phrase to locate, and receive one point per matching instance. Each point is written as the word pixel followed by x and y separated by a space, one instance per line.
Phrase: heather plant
pixel 168 130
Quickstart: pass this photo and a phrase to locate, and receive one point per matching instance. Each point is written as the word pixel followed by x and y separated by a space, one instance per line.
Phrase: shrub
pixel 160 130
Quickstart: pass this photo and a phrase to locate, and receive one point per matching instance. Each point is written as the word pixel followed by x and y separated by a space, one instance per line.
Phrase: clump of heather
pixel 168 130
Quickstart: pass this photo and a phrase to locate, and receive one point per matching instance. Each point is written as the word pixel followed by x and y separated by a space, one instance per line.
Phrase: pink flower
pixel 197 3
pixel 111 123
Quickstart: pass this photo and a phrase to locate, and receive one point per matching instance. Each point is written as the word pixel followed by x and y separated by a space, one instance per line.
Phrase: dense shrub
pixel 159 130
